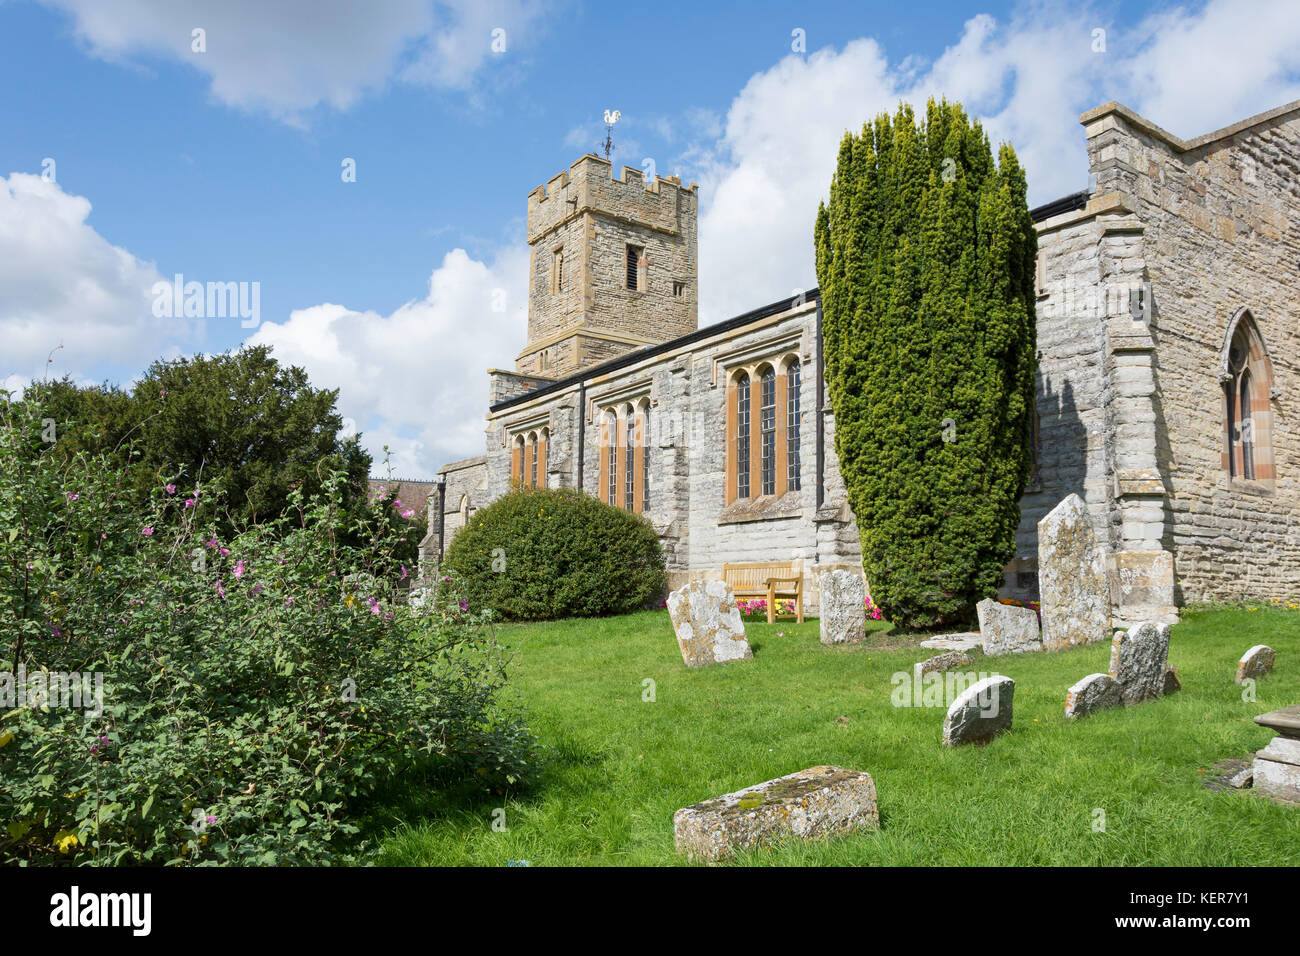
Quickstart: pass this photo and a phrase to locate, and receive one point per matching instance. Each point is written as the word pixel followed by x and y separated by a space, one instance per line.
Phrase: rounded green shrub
pixel 537 554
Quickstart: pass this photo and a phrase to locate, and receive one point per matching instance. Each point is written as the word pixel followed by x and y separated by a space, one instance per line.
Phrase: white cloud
pixel 1027 80
pixel 476 31
pixel 1195 74
pixel 62 283
pixel 287 57
pixel 416 379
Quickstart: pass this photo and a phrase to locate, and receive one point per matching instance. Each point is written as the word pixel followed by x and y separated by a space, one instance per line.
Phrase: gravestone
pixel 1074 595
pixel 1277 766
pixel 1139 670
pixel 1005 629
pixel 980 712
pixel 940 662
pixel 1256 662
pixel 1138 659
pixel 843 612
pixel 707 623
pixel 820 801
pixel 1095 692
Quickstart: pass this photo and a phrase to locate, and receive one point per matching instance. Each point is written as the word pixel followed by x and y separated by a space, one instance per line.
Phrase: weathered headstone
pixel 1006 629
pixel 1256 662
pixel 817 802
pixel 843 609
pixel 980 712
pixel 1277 766
pixel 1138 659
pixel 1095 692
pixel 1074 595
pixel 708 625
pixel 940 662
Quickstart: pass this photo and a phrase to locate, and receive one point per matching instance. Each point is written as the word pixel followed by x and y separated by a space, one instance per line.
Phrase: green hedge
pixel 537 554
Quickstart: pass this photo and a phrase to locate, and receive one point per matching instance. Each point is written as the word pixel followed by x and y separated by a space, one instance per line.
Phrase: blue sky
pixel 224 165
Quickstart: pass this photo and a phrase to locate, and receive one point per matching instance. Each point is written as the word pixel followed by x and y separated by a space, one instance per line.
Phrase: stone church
pixel 1168 365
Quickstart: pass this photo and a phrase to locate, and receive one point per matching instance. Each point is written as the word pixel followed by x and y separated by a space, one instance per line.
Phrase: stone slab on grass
pixel 1095 692
pixel 965 641
pixel 1277 770
pixel 1006 629
pixel 707 623
pixel 940 662
pixel 980 712
pixel 1256 662
pixel 820 801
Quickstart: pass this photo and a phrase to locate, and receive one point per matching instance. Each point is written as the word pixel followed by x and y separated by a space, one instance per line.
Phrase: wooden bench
pixel 771 580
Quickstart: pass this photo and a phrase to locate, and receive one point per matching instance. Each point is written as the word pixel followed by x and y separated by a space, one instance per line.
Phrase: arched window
pixel 629 459
pixel 742 436
pixel 1247 377
pixel 644 443
pixel 532 468
pixel 767 430
pixel 612 458
pixel 464 510
pixel 517 462
pixel 544 437
pixel 792 408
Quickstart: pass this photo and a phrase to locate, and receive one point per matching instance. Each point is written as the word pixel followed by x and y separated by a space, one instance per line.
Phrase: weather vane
pixel 611 117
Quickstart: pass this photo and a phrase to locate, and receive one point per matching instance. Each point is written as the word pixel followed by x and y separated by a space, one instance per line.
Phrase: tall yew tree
pixel 925 259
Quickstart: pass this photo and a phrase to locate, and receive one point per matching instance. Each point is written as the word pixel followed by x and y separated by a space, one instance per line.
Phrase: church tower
pixel 613 266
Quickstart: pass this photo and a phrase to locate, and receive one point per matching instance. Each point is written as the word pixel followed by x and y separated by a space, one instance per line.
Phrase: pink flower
pixel 239 568
pixel 221 592
pixel 171 489
pixel 408 513
pixel 225 550
pixel 73 497
pixel 403 577
pixel 288 600
pixel 210 543
pixel 147 531
pixel 189 502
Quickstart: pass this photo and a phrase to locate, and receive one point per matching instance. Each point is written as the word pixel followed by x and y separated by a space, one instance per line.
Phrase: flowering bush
pixel 255 688
pixel 758 607
pixel 873 613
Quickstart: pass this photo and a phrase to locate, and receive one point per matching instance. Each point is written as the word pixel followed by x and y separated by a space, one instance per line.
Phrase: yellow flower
pixel 6 738
pixel 65 840
pixel 349 600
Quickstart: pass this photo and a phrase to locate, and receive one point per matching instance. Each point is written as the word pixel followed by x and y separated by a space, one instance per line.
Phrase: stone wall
pixel 1221 233
pixel 466 492
pixel 686 389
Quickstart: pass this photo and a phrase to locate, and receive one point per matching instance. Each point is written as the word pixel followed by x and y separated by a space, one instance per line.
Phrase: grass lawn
pixel 621 766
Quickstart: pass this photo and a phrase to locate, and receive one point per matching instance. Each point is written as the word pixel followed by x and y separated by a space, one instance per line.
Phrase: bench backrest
pixel 753 576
